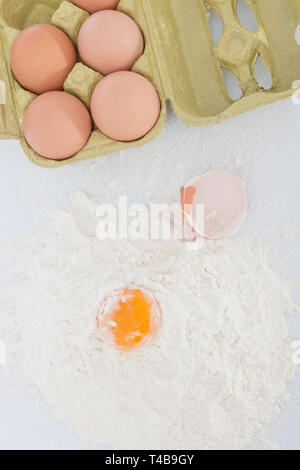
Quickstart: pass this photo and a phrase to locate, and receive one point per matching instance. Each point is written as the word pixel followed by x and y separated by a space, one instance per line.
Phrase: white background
pixel 263 146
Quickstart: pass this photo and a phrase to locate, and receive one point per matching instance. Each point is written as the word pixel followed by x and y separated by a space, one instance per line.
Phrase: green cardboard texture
pixel 179 59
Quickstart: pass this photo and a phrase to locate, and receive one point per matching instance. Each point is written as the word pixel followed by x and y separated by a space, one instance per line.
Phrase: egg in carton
pixel 179 59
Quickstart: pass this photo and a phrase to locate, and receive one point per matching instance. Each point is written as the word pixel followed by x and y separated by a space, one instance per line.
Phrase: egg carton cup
pixel 179 59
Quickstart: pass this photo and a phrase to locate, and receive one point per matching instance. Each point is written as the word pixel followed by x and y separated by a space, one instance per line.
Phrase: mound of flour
pixel 213 378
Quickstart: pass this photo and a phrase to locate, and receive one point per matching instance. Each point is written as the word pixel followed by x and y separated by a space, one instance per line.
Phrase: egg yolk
pixel 128 318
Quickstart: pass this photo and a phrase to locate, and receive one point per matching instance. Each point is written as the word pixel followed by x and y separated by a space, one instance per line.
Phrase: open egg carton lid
pixel 179 59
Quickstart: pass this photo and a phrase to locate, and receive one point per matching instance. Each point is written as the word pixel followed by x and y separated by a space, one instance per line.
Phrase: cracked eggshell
pixel 219 196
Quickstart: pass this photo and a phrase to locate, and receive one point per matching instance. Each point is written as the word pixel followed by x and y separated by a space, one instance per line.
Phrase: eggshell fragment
pixel 42 56
pixel 224 200
pixel 110 41
pixel 125 106
pixel 92 6
pixel 57 125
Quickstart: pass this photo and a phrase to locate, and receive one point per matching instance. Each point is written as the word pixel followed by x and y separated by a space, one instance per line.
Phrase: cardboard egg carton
pixel 179 59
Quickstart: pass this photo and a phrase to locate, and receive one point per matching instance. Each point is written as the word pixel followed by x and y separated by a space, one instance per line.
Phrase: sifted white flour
pixel 213 377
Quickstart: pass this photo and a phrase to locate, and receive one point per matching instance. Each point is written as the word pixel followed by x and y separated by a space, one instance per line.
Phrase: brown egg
pixel 42 56
pixel 125 106
pixel 57 125
pixel 92 6
pixel 110 41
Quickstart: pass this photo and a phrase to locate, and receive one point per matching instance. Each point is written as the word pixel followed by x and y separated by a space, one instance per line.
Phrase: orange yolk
pixel 128 318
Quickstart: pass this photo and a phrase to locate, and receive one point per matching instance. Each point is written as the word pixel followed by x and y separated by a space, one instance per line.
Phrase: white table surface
pixel 263 146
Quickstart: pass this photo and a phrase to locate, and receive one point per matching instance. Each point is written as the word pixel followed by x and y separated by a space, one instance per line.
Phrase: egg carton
pixel 179 59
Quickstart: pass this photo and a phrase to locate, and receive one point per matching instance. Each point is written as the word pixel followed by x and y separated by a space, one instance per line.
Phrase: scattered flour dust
pixel 213 377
